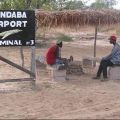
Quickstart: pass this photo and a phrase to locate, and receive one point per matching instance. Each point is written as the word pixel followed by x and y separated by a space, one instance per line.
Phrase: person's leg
pixel 65 61
pixel 100 69
pixel 60 64
pixel 105 65
pixel 58 61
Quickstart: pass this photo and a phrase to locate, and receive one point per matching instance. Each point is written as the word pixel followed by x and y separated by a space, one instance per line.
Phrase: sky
pixel 116 6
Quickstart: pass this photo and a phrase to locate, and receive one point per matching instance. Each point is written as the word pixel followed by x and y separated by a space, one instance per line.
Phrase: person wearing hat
pixel 53 55
pixel 110 60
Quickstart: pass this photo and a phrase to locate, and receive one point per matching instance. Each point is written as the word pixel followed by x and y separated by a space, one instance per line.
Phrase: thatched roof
pixel 78 18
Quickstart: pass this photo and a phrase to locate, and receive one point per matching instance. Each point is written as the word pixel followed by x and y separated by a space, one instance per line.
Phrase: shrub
pixel 64 37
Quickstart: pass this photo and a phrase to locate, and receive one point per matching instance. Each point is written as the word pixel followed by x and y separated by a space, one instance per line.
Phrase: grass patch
pixel 63 37
pixel 118 31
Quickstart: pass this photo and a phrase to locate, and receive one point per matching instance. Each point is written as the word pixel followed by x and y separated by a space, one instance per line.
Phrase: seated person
pixel 110 60
pixel 53 55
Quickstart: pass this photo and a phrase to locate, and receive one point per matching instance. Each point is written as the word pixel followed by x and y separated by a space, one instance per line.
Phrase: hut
pixel 76 18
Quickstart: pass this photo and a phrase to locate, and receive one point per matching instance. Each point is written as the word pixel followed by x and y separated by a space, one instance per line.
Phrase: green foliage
pixel 67 4
pixel 5 5
pixel 13 4
pixel 53 4
pixel 20 5
pixel 74 5
pixel 63 37
pixel 40 35
pixel 41 4
pixel 99 4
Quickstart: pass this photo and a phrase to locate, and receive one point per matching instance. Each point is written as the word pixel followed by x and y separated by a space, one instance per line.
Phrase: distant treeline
pixel 54 4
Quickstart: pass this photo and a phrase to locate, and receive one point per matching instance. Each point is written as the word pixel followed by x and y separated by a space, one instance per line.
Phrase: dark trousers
pixel 103 67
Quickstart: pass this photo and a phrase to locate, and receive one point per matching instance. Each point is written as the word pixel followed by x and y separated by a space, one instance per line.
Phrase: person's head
pixel 112 39
pixel 59 43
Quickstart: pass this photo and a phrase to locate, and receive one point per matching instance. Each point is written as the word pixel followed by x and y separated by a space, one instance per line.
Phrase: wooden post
pixel 96 30
pixel 33 62
pixel 17 66
pixel 22 56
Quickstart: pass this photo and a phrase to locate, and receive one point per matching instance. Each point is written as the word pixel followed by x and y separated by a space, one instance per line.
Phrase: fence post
pixel 33 62
pixel 96 30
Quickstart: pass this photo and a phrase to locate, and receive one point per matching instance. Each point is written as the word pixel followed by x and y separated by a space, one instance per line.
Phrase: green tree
pixel 21 4
pixel 74 5
pixel 41 4
pixel 15 4
pixel 67 4
pixel 6 4
pixel 98 4
pixel 26 4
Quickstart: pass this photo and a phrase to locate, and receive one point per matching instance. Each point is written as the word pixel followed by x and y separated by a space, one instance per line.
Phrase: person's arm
pixel 57 53
pixel 115 49
pixel 107 57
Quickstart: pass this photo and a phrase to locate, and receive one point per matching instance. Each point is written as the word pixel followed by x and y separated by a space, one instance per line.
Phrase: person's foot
pixel 104 79
pixel 97 77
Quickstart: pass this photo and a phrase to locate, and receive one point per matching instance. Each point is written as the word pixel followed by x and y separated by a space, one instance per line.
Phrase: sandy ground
pixel 79 98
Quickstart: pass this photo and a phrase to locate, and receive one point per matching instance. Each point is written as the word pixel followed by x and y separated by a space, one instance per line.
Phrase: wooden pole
pixel 17 66
pixel 16 80
pixel 33 62
pixel 96 30
pixel 22 56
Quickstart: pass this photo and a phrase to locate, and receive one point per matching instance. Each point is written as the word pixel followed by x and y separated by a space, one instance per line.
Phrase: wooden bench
pixel 55 74
pixel 114 72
